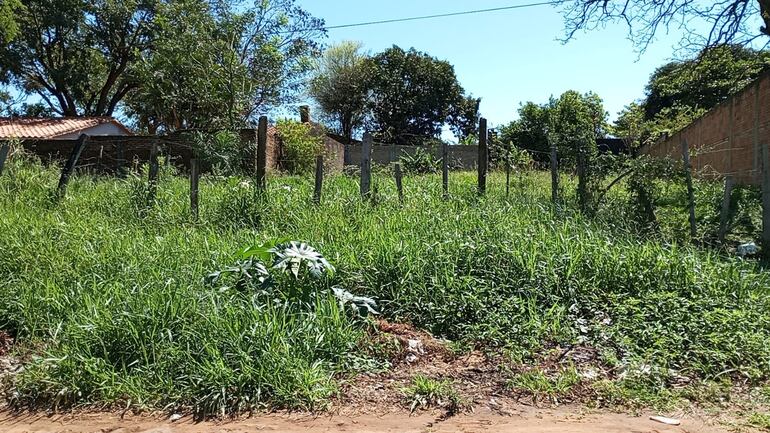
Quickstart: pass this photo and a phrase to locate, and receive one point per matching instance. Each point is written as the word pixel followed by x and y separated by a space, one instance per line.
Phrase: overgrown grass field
pixel 108 301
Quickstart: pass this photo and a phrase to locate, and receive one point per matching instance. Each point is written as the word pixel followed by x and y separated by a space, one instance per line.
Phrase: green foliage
pixel 464 119
pixel 540 385
pixel 405 97
pixel 760 420
pixel 116 310
pixel 425 392
pixel 215 66
pixel 9 28
pixel 221 151
pixel 300 146
pixel 177 64
pixel 681 91
pixel 412 95
pixel 340 86
pixel 96 42
pixel 529 131
pixel 420 161
pixel 704 81
pixel 285 273
pixel 573 122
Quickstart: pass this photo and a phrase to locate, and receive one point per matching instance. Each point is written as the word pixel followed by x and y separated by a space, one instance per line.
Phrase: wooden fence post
pixel 399 181
pixel 445 169
pixel 99 163
pixel 483 164
pixel 319 178
pixel 508 171
pixel 121 168
pixel 194 180
pixel 366 166
pixel 69 167
pixel 152 177
pixel 724 216
pixel 554 174
pixel 765 154
pixel 690 189
pixel 4 149
pixel 262 154
pixel 582 187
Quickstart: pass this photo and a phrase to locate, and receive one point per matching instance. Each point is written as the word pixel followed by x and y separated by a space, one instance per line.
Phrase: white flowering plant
pixel 286 272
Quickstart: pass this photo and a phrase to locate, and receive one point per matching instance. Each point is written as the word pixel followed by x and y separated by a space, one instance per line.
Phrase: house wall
pixel 103 129
pixel 727 140
pixel 110 153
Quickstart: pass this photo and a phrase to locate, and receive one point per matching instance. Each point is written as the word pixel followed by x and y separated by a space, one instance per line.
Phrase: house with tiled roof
pixel 59 128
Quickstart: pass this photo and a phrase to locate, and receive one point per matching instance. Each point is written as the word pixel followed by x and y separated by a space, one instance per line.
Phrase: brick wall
pixel 109 153
pixel 727 139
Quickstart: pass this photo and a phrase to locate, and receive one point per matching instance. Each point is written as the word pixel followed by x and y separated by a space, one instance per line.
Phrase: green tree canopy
pixel 572 121
pixel 340 86
pixel 9 27
pixel 681 91
pixel 464 118
pixel 174 63
pixel 215 66
pixel 76 54
pixel 412 95
pixel 704 81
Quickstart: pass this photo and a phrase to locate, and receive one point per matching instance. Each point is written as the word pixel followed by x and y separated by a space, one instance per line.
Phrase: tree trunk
pixel 764 10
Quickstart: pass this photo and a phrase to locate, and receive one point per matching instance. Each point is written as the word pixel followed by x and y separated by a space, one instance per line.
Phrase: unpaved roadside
pixel 565 420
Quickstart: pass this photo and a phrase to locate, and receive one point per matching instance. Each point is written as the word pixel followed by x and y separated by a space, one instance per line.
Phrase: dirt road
pixel 563 421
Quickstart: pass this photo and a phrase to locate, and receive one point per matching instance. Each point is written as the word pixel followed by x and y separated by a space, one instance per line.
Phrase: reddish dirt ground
pixel 564 420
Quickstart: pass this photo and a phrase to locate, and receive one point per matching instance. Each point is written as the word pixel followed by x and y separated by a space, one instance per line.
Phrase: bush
pixel 419 162
pixel 220 151
pixel 300 146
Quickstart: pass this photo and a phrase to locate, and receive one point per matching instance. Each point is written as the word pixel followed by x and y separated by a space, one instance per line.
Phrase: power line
pixel 450 14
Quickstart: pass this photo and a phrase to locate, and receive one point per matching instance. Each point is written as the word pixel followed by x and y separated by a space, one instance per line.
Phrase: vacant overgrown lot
pixel 108 302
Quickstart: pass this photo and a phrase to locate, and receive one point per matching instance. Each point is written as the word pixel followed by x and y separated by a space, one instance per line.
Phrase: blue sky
pixel 506 57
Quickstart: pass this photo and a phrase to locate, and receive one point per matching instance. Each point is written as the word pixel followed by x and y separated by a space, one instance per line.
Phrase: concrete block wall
pixel 460 157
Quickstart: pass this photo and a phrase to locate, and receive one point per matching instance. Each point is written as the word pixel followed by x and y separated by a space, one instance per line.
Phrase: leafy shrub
pixel 286 272
pixel 221 151
pixel 420 161
pixel 300 146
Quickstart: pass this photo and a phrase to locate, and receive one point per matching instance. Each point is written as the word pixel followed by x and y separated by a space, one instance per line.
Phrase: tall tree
pixel 704 81
pixel 464 117
pixel 729 21
pixel 412 95
pixel 573 121
pixel 216 65
pixel 529 130
pixel 340 86
pixel 75 54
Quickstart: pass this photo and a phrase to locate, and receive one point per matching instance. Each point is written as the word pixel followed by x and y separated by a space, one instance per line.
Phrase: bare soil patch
pixel 526 419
